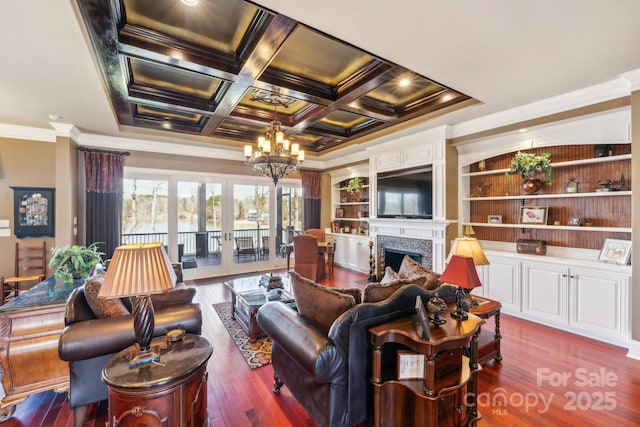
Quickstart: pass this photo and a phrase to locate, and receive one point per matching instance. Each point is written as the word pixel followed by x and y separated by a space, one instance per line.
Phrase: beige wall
pixel 23 164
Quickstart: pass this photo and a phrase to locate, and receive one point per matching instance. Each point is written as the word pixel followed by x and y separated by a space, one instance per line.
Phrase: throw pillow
pixel 102 307
pixel 179 295
pixel 376 292
pixel 410 268
pixel 356 293
pixel 317 303
pixel 389 275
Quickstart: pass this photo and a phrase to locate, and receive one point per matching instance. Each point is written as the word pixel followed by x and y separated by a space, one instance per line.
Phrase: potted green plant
pixel 74 262
pixel 534 170
pixel 355 185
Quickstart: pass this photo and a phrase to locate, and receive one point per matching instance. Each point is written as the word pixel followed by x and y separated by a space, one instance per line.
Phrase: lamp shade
pixel 469 247
pixel 138 269
pixel 461 272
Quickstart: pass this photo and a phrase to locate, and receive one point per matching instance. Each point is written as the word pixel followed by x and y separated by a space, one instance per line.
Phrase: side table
pixel 444 394
pixel 170 392
pixel 488 343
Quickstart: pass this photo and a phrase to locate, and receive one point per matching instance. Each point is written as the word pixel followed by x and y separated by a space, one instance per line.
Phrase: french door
pixel 217 225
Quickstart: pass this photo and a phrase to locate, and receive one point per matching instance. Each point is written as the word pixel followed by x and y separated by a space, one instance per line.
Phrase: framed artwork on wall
pixel 33 212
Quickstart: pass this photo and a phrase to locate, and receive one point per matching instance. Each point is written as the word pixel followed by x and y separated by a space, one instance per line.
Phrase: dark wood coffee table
pixel 247 296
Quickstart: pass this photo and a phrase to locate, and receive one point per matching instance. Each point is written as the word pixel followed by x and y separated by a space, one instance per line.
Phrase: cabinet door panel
pixel 503 283
pixel 545 291
pixel 340 254
pixel 598 303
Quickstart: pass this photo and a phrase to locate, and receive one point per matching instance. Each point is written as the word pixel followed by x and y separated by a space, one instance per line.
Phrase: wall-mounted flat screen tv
pixel 406 193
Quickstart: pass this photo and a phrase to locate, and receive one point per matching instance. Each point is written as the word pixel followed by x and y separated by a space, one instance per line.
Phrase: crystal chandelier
pixel 274 156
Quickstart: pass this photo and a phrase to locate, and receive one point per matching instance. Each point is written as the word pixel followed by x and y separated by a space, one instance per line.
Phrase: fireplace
pixel 391 250
pixel 393 257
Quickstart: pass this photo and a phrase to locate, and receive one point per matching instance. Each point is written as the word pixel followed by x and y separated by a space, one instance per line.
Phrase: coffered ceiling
pixel 195 70
pixel 130 76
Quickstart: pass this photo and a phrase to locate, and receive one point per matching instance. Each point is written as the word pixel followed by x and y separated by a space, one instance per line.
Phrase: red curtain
pixel 104 173
pixel 311 186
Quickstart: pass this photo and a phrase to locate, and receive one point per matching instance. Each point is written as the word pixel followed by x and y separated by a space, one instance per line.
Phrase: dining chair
pixel 309 262
pixel 318 233
pixel 30 269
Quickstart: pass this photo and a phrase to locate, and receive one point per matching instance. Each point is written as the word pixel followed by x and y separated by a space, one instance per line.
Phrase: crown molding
pixel 26 132
pixel 606 91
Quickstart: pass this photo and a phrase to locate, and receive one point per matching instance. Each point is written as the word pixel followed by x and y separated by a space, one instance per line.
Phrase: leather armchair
pixel 330 373
pixel 87 343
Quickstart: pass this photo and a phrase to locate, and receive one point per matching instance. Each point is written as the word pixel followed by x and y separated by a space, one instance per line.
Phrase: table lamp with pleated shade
pixel 139 270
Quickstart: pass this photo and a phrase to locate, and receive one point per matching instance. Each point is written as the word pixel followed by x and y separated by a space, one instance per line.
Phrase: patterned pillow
pixel 376 292
pixel 102 307
pixel 410 268
pixel 317 303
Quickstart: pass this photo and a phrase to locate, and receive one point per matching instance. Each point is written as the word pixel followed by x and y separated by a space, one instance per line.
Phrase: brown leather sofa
pixel 330 373
pixel 87 343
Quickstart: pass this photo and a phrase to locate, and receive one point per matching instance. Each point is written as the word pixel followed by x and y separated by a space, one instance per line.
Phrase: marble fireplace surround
pixel 426 237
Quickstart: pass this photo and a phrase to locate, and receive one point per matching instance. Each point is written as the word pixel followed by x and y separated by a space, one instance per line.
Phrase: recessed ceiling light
pixel 404 83
pixel 54 117
pixel 189 2
pixel 522 130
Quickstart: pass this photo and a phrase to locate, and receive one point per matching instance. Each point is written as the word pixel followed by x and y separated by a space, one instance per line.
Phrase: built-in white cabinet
pixel 352 251
pixel 584 297
pixel 544 291
pixel 501 282
pixel 595 312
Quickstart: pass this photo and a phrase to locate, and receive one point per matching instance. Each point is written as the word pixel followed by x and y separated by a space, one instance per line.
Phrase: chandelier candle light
pixel 275 155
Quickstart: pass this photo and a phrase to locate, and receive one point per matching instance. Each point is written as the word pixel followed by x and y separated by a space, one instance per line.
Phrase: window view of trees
pixel 214 206
pixel 188 197
pixel 145 206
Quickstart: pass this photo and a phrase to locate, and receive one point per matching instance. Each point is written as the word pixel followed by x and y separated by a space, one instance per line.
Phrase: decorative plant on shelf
pixel 354 186
pixel 529 165
pixel 74 262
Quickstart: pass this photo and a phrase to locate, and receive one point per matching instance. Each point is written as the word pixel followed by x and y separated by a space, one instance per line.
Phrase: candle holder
pixel 372 275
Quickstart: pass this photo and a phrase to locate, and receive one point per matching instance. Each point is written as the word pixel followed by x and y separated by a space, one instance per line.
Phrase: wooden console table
pixel 445 394
pixel 30 327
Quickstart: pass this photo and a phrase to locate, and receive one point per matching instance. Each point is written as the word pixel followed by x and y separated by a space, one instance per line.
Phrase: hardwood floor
pixel 547 378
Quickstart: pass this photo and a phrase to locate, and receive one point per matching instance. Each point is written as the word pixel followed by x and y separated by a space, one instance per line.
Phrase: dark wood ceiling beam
pixel 98 18
pixel 349 97
pixel 279 29
pixel 146 43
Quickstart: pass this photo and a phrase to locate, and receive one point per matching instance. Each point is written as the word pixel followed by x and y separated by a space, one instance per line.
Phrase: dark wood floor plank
pixel 534 355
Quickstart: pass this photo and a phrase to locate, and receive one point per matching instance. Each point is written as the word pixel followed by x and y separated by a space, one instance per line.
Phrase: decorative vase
pixel 531 185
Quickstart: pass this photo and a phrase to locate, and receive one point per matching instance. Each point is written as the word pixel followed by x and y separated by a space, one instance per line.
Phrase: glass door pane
pixel 250 223
pixel 145 215
pixel 190 233
pixel 288 216
pixel 213 197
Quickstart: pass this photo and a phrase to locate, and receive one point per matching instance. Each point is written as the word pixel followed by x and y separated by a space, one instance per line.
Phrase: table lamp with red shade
pixel 461 271
pixel 139 270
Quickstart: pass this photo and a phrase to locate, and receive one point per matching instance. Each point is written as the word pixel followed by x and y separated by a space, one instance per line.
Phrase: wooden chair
pixel 317 233
pixel 30 269
pixel 264 249
pixel 245 247
pixel 309 262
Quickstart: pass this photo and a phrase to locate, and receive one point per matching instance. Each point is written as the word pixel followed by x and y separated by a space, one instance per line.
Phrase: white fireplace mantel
pixel 434 230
